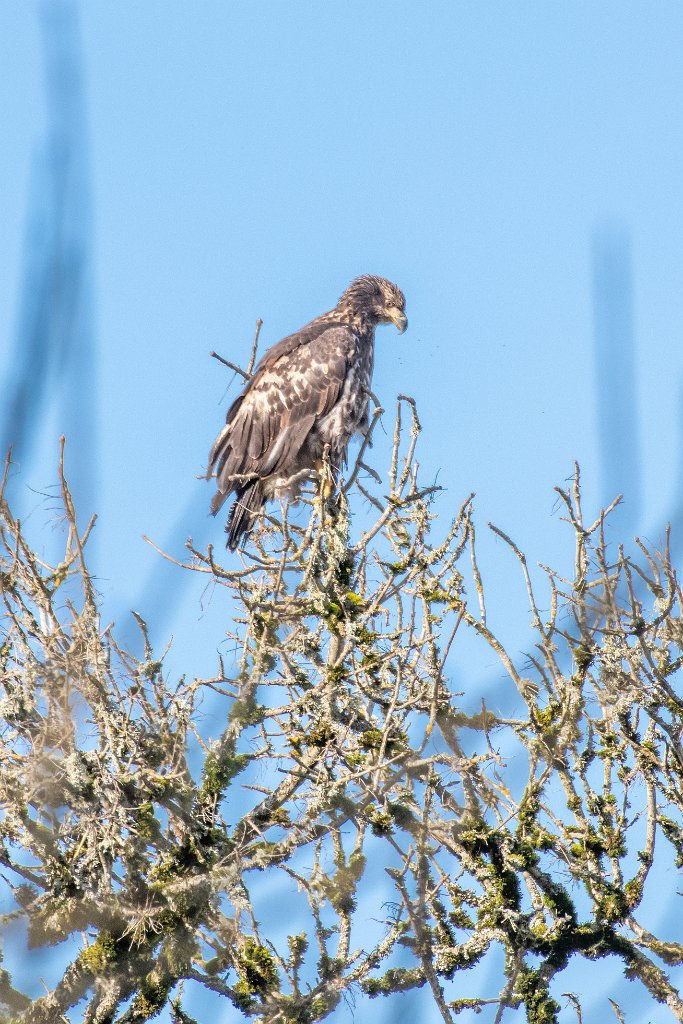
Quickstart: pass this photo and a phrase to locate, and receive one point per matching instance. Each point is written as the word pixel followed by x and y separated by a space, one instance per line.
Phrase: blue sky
pixel 248 159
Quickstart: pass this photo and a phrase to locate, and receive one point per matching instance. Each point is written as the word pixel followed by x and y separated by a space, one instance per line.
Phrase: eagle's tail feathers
pixel 246 507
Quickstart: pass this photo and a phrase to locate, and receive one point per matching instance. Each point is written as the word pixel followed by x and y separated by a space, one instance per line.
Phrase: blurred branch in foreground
pixel 335 757
pixel 615 374
pixel 53 355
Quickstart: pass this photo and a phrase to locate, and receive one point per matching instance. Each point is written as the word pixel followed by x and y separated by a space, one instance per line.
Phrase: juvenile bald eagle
pixel 309 391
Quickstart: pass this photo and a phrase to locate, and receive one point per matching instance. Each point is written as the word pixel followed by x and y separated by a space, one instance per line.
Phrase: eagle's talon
pixel 328 484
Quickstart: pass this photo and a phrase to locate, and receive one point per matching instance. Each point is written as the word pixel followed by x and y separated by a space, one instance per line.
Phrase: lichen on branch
pixel 409 837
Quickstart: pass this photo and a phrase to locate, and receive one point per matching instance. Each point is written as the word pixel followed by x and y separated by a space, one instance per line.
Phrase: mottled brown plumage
pixel 308 394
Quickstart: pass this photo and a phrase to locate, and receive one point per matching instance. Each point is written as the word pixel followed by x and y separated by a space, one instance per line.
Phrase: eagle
pixel 304 402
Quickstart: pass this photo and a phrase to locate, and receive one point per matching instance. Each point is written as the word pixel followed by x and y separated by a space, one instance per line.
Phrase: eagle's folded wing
pixel 291 390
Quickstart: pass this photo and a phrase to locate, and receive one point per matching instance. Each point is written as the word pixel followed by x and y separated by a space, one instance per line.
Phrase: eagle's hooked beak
pixel 399 318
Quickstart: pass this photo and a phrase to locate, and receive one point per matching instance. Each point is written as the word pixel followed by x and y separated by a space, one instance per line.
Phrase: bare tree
pixel 337 766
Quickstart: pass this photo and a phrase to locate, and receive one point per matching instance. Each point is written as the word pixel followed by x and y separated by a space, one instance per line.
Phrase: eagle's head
pixel 371 300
